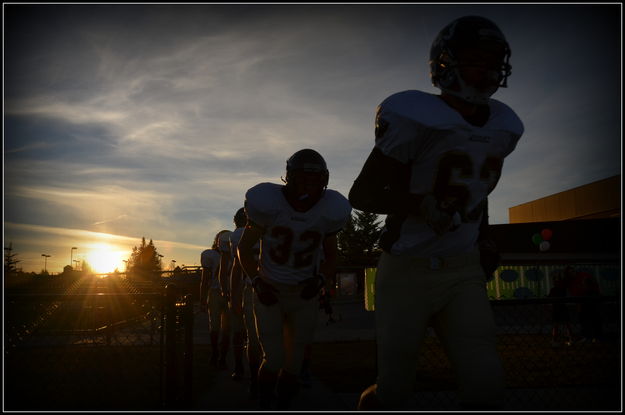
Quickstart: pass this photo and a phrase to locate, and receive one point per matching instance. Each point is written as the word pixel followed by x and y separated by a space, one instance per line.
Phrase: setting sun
pixel 105 258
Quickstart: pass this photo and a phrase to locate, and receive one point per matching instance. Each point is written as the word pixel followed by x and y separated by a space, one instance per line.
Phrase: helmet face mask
pixel 469 59
pixel 306 175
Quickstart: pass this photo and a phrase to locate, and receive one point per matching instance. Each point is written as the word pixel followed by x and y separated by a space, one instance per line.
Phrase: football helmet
pixel 240 218
pixel 220 236
pixel 469 32
pixel 306 174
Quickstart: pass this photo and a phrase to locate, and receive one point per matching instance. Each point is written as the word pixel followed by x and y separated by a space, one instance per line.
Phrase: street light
pixel 45 262
pixel 71 255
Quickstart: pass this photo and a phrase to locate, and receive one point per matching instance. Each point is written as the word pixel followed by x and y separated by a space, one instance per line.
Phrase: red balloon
pixel 546 234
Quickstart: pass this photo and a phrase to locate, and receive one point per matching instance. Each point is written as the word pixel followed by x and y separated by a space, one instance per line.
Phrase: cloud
pixel 156 119
pixel 110 220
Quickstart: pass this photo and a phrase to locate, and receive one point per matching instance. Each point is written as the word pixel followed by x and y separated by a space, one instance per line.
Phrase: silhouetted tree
pixel 144 262
pixel 358 241
pixel 10 260
pixel 85 267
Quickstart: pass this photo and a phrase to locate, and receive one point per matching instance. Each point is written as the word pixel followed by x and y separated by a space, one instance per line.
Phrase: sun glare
pixel 105 258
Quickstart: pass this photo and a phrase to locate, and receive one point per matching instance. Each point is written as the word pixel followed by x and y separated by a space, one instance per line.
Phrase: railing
pixel 178 362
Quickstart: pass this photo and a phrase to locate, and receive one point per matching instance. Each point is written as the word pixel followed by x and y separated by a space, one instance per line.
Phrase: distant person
pixel 590 311
pixel 574 281
pixel 560 317
pixel 294 223
pixel 435 161
pixel 244 334
pixel 212 299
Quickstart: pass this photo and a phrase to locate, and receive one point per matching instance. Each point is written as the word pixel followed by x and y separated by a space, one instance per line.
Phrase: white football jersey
pixel 291 244
pixel 235 237
pixel 456 161
pixel 210 259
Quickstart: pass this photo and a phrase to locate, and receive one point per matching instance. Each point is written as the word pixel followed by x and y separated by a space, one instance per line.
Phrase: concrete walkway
pixel 222 393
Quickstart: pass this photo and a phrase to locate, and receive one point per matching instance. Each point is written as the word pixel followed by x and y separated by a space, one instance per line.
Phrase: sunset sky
pixel 131 120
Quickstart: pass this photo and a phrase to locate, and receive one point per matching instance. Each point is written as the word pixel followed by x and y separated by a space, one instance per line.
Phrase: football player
pixel 212 298
pixel 225 267
pixel 244 335
pixel 435 160
pixel 296 224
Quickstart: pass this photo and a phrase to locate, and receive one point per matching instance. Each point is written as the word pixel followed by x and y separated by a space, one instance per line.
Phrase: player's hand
pixel 439 216
pixel 312 286
pixel 267 293
pixel 489 257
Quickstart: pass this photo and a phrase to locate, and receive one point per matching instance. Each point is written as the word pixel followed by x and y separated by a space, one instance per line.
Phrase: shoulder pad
pixel 235 237
pixel 207 257
pixel 504 118
pixel 260 202
pixel 337 210
pixel 426 109
pixel 236 234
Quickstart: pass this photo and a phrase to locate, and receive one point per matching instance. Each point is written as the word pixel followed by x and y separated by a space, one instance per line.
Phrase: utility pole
pixel 45 262
pixel 71 256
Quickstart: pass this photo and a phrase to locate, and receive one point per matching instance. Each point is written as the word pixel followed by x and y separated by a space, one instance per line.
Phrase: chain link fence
pixel 101 344
pixel 540 375
pixel 581 374
pixel 89 343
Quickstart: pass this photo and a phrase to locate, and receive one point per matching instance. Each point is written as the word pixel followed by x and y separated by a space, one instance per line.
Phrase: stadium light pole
pixel 45 262
pixel 71 256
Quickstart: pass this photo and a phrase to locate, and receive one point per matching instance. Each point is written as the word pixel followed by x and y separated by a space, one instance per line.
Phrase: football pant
pixel 410 295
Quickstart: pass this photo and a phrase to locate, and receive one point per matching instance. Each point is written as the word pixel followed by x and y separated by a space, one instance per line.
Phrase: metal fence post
pixel 188 354
pixel 170 344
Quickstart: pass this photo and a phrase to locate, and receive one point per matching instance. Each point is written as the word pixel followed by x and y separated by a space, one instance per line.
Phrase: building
pixel 600 199
pixel 580 227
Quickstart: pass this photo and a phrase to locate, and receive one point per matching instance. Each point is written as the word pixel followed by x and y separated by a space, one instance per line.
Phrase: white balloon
pixel 544 246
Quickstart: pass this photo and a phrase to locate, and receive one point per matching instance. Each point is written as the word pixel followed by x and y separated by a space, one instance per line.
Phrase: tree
pixel 358 241
pixel 85 268
pixel 10 260
pixel 144 262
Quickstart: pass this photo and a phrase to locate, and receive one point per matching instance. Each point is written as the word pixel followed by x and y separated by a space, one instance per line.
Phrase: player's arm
pixel 204 284
pixel 245 251
pixel 382 187
pixel 236 287
pixel 224 274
